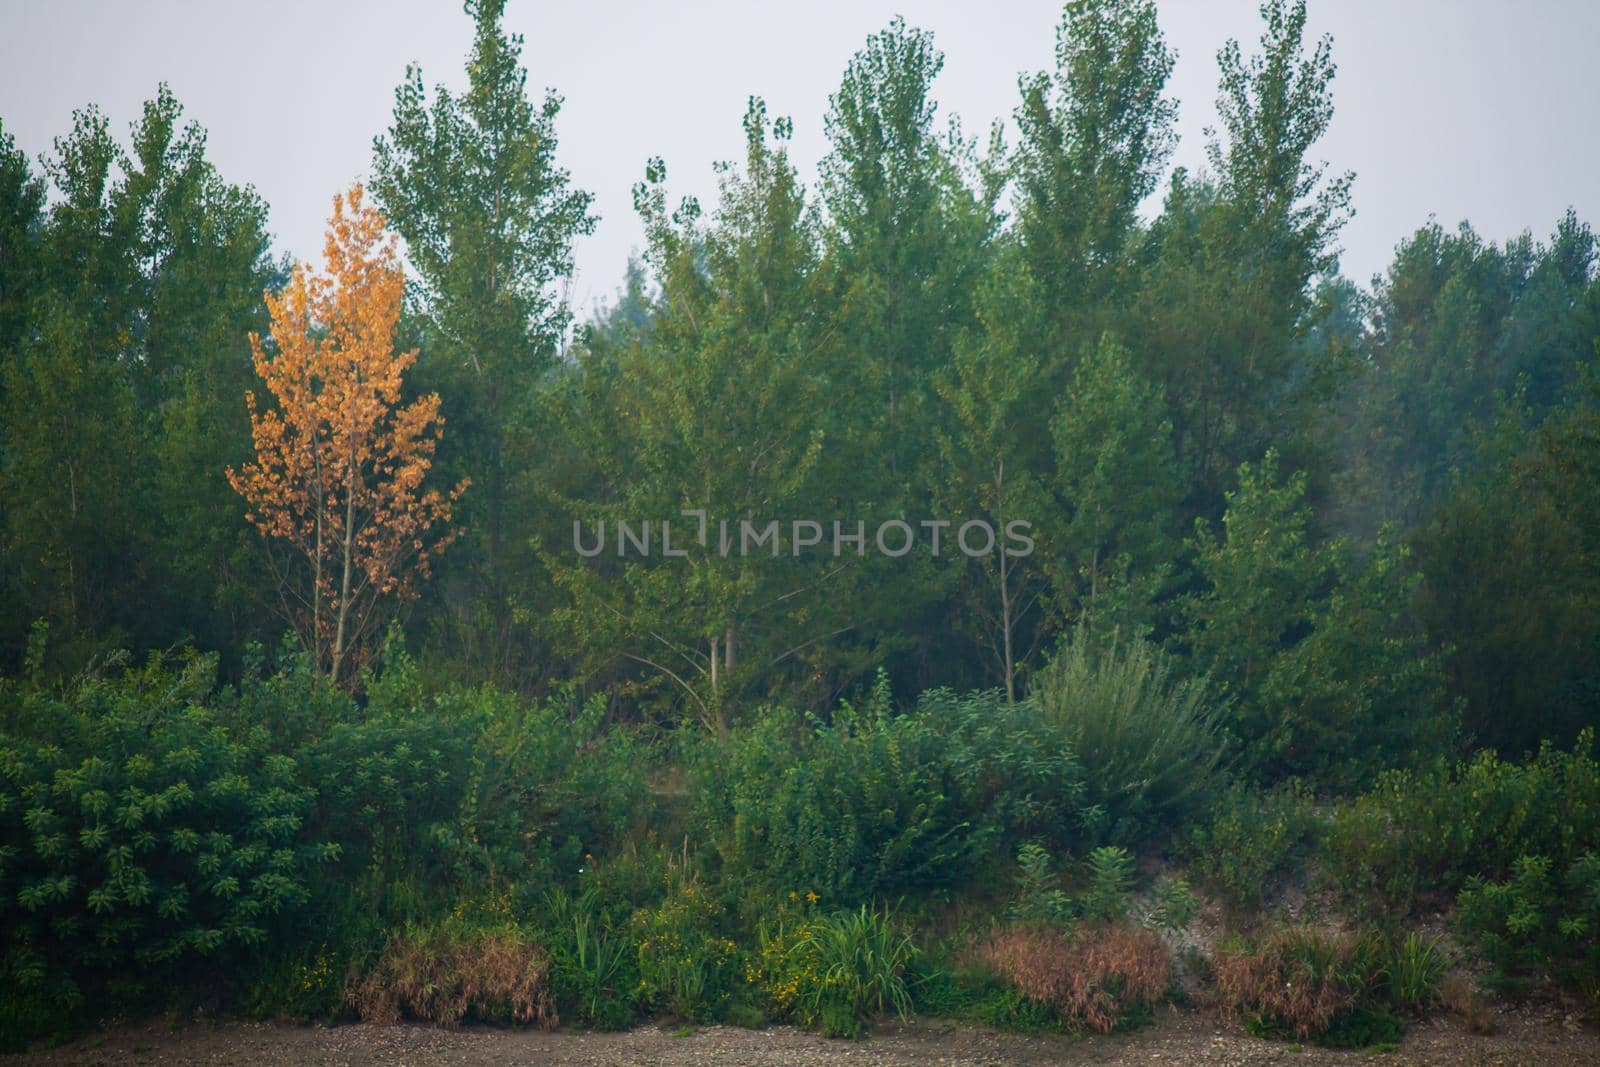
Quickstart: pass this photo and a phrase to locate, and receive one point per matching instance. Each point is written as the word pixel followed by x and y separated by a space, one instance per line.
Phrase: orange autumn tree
pixel 337 482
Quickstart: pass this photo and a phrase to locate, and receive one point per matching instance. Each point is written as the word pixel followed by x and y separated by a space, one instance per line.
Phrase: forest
pixel 1272 690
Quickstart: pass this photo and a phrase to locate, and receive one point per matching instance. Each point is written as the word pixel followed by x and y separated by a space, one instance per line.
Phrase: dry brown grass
pixel 1296 978
pixel 443 976
pixel 1092 977
pixel 1462 997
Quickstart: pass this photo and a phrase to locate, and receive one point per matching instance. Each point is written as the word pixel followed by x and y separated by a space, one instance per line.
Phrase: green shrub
pixel 688 967
pixel 1252 841
pixel 1364 1026
pixel 475 785
pixel 161 832
pixel 879 804
pixel 1416 833
pixel 965 992
pixel 553 784
pixel 148 838
pixel 1536 927
pixel 1110 882
pixel 1175 904
pixel 1040 899
pixel 1147 738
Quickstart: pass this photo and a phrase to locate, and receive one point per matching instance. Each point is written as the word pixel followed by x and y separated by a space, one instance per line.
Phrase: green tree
pixel 21 220
pixel 993 468
pixel 1324 662
pixel 1509 559
pixel 1116 473
pixel 1263 576
pixel 909 215
pixel 904 242
pixel 716 409
pixel 1095 134
pixel 1459 325
pixel 1227 270
pixel 120 403
pixel 488 216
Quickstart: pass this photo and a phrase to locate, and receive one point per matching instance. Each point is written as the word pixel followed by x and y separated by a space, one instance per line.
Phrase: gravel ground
pixel 1176 1038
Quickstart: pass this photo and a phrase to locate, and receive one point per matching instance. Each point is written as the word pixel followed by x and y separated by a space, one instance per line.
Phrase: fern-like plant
pixel 1110 882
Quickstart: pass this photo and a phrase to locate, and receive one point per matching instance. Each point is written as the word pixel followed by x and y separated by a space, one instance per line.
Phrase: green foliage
pixel 1116 470
pixel 1040 899
pixel 1418 832
pixel 688 967
pixel 168 828
pixel 1087 157
pixel 1413 971
pixel 946 991
pixel 1364 1026
pixel 877 803
pixel 1147 736
pixel 1459 324
pixel 147 835
pixel 1175 904
pixel 593 972
pixel 1110 882
pixel 473 184
pixel 1541 924
pixel 1510 581
pixel 1326 673
pixel 1252 841
pixel 123 362
pixel 900 342
pixel 852 967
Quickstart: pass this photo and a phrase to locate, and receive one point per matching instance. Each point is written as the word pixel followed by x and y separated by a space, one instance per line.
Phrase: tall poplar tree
pixel 488 215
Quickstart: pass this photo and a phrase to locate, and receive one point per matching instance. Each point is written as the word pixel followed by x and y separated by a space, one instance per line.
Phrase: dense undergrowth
pixel 460 855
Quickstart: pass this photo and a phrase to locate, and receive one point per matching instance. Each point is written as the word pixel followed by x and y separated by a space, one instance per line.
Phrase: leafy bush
pixel 877 804
pixel 147 836
pixel 1535 927
pixel 552 784
pixel 1098 977
pixel 1147 738
pixel 1040 899
pixel 477 784
pixel 161 830
pixel 1431 831
pixel 1175 904
pixel 687 966
pixel 1110 882
pixel 1252 841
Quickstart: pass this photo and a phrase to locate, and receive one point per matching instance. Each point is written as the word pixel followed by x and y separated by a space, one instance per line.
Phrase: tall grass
pixel 1095 977
pixel 860 959
pixel 447 973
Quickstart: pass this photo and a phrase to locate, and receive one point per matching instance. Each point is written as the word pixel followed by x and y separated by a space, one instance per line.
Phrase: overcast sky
pixel 1487 111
